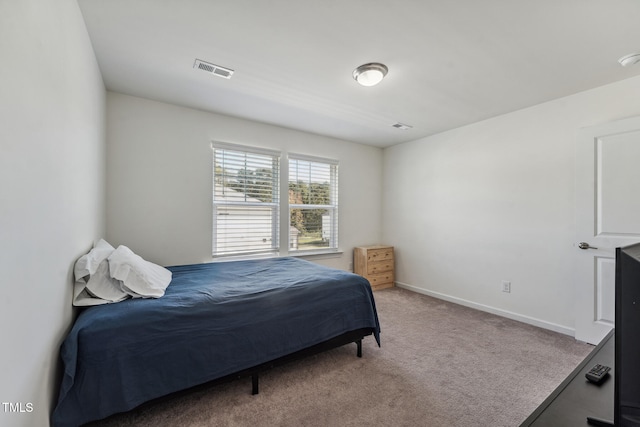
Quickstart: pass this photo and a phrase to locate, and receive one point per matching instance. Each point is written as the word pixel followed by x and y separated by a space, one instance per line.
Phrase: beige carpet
pixel 440 364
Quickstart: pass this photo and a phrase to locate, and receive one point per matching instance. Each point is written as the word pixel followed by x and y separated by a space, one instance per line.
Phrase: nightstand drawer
pixel 381 278
pixel 374 255
pixel 379 266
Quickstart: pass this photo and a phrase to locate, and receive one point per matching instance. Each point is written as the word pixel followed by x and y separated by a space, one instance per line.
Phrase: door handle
pixel 585 245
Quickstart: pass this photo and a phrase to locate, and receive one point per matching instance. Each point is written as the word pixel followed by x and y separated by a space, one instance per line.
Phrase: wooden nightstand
pixel 376 264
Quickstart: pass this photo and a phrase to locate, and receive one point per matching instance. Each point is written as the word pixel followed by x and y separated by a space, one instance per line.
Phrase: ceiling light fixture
pixel 370 74
pixel 630 59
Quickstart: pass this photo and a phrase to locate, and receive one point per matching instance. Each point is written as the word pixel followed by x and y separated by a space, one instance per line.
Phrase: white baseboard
pixel 504 313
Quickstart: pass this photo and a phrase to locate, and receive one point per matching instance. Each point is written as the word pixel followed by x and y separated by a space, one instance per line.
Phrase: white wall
pixel 159 178
pixel 494 201
pixel 52 107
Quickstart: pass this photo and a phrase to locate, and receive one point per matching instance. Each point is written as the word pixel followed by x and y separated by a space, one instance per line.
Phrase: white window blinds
pixel 246 201
pixel 313 203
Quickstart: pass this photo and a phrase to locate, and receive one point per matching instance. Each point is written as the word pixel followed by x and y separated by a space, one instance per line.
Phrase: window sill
pixel 320 254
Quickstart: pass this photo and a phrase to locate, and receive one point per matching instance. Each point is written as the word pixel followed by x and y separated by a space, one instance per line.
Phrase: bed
pixel 215 320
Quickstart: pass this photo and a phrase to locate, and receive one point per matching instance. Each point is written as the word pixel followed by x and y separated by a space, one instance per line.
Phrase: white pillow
pixel 140 278
pixel 102 285
pixel 88 264
pixel 94 284
pixel 82 298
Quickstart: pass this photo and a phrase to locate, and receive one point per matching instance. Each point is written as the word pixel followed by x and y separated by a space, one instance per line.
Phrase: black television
pixel 626 411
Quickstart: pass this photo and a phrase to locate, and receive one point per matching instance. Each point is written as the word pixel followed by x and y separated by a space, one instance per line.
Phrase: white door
pixel 607 216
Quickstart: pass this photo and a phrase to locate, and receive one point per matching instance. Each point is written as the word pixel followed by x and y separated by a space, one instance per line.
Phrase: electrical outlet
pixel 506 286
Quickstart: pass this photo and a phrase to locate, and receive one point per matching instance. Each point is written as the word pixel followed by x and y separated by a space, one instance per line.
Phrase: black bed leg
pixel 359 344
pixel 254 383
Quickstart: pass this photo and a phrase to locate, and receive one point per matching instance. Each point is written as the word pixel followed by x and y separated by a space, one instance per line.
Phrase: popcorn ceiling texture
pixel 440 364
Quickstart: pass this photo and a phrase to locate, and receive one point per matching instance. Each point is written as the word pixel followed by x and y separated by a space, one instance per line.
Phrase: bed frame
pixel 355 337
pixel 344 339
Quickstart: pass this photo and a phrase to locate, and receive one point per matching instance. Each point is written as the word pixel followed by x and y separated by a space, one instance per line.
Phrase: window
pixel 313 204
pixel 246 203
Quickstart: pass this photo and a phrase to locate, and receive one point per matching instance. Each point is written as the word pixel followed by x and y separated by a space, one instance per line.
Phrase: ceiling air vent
pixel 401 126
pixel 216 70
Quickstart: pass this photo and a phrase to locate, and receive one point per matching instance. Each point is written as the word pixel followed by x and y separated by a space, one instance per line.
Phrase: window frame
pixel 275 205
pixel 280 234
pixel 332 207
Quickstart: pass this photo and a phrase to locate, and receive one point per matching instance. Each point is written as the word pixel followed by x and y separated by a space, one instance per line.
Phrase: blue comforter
pixel 215 319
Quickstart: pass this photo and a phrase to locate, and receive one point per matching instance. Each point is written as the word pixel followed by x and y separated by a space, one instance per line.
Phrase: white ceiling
pixel 451 62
